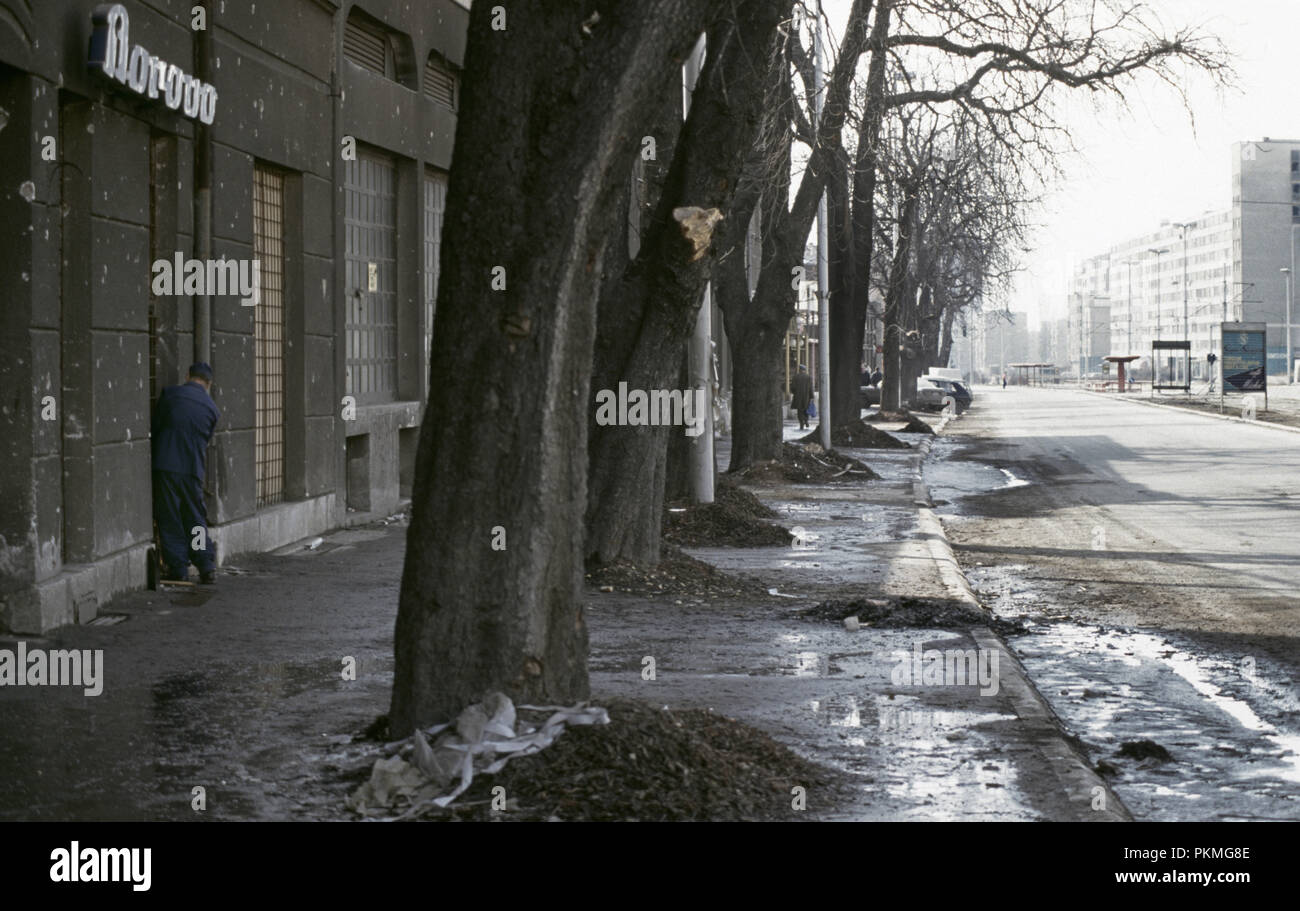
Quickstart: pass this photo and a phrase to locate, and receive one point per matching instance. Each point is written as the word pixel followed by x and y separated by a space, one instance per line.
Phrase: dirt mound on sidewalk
pixel 676 574
pixel 736 518
pixel 913 423
pixel 804 466
pixel 910 613
pixel 649 764
pixel 860 435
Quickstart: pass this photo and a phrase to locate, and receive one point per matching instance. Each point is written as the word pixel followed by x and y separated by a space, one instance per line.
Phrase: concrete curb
pixel 1077 779
pixel 1204 414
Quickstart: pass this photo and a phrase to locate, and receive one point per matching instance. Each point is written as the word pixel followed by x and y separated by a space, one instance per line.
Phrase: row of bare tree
pixel 935 127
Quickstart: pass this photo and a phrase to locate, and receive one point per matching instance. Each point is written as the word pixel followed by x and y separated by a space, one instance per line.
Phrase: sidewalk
pixel 240 691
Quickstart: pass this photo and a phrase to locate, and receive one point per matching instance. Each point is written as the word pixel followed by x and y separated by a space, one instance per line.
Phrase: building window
pixel 441 81
pixel 435 203
pixel 375 48
pixel 370 221
pixel 369 47
pixel 268 322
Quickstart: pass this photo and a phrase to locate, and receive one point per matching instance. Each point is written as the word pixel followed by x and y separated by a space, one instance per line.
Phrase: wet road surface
pixel 1157 556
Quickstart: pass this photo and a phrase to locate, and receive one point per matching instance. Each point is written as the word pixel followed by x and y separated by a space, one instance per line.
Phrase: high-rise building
pixel 1266 214
pixel 1185 278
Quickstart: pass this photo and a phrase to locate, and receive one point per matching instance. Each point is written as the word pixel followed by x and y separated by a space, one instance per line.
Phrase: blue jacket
pixel 183 424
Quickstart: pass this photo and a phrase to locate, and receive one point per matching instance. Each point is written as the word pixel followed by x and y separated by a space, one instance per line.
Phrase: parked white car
pixel 929 396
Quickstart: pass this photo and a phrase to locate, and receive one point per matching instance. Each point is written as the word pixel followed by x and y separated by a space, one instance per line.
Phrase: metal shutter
pixel 365 46
pixel 370 221
pixel 268 370
pixel 440 81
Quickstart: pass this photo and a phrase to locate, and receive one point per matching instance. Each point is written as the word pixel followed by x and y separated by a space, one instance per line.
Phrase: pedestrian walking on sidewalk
pixel 802 389
pixel 183 423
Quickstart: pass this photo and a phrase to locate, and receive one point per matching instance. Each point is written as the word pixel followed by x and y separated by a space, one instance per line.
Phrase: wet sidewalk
pixel 912 751
pixel 240 690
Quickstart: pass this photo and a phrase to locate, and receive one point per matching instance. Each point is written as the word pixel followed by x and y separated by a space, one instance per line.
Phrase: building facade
pixel 1138 285
pixel 1224 265
pixel 306 142
pixel 1265 219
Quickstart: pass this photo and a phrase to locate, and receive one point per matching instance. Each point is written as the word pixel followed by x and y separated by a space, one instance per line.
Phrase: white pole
pixel 823 270
pixel 700 351
pixel 1290 367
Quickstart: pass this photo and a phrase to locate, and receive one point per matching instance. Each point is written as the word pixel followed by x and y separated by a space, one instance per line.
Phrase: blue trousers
pixel 178 508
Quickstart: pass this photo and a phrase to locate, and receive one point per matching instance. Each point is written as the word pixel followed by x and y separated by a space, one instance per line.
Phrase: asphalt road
pixel 1155 555
pixel 1196 521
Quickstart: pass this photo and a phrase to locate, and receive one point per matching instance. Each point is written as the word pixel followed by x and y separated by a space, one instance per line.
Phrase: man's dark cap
pixel 202 369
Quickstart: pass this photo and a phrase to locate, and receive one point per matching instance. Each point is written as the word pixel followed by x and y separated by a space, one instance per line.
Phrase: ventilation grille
pixel 366 47
pixel 441 82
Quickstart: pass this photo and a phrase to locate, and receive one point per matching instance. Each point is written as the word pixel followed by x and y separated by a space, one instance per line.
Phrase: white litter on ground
pixel 485 737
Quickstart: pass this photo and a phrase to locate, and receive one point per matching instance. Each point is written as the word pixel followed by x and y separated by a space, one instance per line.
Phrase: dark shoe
pixel 208 578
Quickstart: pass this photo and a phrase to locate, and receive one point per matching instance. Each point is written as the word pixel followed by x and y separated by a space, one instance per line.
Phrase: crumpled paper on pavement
pixel 484 737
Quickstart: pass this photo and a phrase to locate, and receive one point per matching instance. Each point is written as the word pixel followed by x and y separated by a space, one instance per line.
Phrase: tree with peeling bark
pixel 553 109
pixel 649 302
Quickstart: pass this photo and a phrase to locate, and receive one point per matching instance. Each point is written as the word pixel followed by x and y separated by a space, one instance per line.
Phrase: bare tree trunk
pixel 551 101
pixel 848 320
pixel 786 225
pixel 849 317
pixel 945 337
pixel 893 392
pixel 758 392
pixel 647 317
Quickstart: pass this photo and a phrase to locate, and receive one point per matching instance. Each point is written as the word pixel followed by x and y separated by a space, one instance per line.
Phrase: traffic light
pixel 1211 357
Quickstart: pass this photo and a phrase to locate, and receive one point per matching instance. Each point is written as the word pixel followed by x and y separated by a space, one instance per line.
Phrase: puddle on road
pixel 1113 686
pixel 951 478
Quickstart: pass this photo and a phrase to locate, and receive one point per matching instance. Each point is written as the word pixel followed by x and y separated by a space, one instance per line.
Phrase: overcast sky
pixel 1136 169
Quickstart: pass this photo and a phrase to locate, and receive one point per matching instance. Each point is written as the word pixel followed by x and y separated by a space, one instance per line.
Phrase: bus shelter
pixel 1030 374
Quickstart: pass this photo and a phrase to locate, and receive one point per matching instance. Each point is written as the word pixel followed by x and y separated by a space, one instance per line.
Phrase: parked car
pixel 929 396
pixel 932 390
pixel 959 391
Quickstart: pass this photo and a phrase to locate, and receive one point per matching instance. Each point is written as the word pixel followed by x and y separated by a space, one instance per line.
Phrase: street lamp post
pixel 1290 369
pixel 1186 325
pixel 1289 287
pixel 1129 263
pixel 1158 253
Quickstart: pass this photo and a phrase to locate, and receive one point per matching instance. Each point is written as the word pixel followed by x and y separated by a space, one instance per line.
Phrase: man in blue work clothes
pixel 182 426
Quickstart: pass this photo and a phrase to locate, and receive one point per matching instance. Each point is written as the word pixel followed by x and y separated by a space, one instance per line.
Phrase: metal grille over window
pixel 366 46
pixel 370 220
pixel 441 82
pixel 435 203
pixel 268 321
